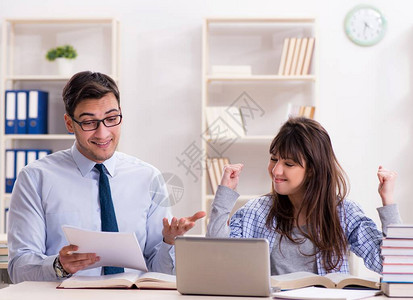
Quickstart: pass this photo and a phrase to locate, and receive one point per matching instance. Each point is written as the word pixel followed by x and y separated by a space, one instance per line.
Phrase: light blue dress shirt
pixel 62 189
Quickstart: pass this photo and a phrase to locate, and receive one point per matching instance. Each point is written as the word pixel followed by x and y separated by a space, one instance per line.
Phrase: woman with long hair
pixel 309 223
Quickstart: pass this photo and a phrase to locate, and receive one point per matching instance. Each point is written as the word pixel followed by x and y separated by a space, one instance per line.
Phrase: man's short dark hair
pixel 87 85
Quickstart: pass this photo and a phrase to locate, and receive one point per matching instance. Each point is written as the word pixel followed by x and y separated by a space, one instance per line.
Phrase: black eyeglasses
pixel 91 125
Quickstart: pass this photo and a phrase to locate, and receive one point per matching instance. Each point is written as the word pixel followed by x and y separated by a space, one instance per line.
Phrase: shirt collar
pixel 86 165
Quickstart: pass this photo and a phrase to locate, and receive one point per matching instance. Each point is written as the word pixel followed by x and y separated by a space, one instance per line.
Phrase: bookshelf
pixel 25 43
pixel 254 47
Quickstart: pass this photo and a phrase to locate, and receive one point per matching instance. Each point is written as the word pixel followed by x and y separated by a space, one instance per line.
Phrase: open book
pixel 150 280
pixel 332 280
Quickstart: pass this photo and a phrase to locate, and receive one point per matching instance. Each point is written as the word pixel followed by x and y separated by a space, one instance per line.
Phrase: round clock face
pixel 365 25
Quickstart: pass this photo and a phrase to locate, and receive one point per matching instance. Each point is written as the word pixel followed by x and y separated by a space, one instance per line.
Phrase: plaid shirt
pixel 364 239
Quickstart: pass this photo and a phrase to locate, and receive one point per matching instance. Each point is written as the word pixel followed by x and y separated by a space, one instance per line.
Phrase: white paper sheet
pixel 316 293
pixel 118 249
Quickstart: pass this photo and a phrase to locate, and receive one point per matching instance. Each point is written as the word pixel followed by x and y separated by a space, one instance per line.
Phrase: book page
pixel 117 249
pixel 156 280
pixel 299 279
pixel 124 280
pixel 315 293
pixel 342 280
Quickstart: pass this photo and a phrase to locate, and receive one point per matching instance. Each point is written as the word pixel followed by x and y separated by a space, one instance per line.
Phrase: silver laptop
pixel 222 266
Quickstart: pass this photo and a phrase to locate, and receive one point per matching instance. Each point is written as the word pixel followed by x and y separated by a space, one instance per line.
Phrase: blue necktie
pixel 107 212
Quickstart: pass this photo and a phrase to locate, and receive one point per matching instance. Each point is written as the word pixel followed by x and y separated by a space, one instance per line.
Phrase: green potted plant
pixel 64 55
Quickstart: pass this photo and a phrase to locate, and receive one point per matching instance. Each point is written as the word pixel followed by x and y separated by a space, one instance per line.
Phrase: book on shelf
pixel 4 249
pixel 331 280
pixel 290 54
pixel 295 57
pixel 301 56
pixel 150 280
pixel 394 289
pixel 231 70
pixel 224 122
pixel 308 56
pixel 403 231
pixel 215 166
pixel 283 57
pixel 317 293
pixel 306 111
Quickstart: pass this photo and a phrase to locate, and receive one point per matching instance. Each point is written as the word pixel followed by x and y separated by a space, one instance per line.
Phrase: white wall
pixel 365 96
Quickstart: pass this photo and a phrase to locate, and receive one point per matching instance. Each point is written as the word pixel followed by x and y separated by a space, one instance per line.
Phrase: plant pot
pixel 65 66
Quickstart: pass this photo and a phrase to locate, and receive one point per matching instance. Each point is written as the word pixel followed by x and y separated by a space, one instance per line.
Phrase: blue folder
pixel 10 112
pixel 37 112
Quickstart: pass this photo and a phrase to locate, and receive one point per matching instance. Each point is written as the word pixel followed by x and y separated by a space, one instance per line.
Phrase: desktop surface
pixel 31 290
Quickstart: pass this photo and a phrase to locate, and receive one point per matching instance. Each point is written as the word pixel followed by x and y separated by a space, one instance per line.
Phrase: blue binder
pixel 10 112
pixel 10 169
pixel 37 112
pixel 21 107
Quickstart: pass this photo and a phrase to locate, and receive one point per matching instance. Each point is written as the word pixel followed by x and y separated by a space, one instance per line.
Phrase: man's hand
pixel 73 262
pixel 230 177
pixel 387 181
pixel 179 227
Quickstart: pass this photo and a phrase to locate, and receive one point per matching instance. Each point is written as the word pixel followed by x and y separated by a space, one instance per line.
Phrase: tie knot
pixel 99 167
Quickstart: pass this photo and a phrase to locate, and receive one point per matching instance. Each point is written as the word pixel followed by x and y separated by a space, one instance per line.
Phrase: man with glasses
pixel 64 188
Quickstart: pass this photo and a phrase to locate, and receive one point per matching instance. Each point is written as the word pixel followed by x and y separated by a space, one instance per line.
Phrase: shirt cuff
pixel 389 214
pixel 225 198
pixel 48 269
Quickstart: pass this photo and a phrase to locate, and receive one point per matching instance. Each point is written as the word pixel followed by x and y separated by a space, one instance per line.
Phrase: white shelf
pixel 250 138
pixel 240 198
pixel 258 43
pixel 68 21
pixel 11 137
pixel 260 78
pixel 261 20
pixel 41 78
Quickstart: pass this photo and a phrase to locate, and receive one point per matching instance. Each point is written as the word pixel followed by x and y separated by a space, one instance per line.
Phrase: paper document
pixel 117 249
pixel 316 293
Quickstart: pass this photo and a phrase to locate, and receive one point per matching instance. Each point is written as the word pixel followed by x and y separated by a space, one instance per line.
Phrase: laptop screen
pixel 222 266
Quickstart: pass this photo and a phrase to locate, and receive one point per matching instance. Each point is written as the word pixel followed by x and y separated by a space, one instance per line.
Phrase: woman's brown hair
pixel 305 140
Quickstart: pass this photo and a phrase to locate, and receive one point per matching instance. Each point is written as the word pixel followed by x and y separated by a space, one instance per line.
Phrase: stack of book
pixel 397 252
pixel 296 56
pixel 215 167
pixel 4 252
pixel 306 111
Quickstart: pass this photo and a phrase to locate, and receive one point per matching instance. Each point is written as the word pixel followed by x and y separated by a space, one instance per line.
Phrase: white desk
pixel 47 291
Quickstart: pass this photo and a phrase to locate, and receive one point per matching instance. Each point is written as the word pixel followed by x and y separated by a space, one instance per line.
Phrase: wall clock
pixel 365 25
